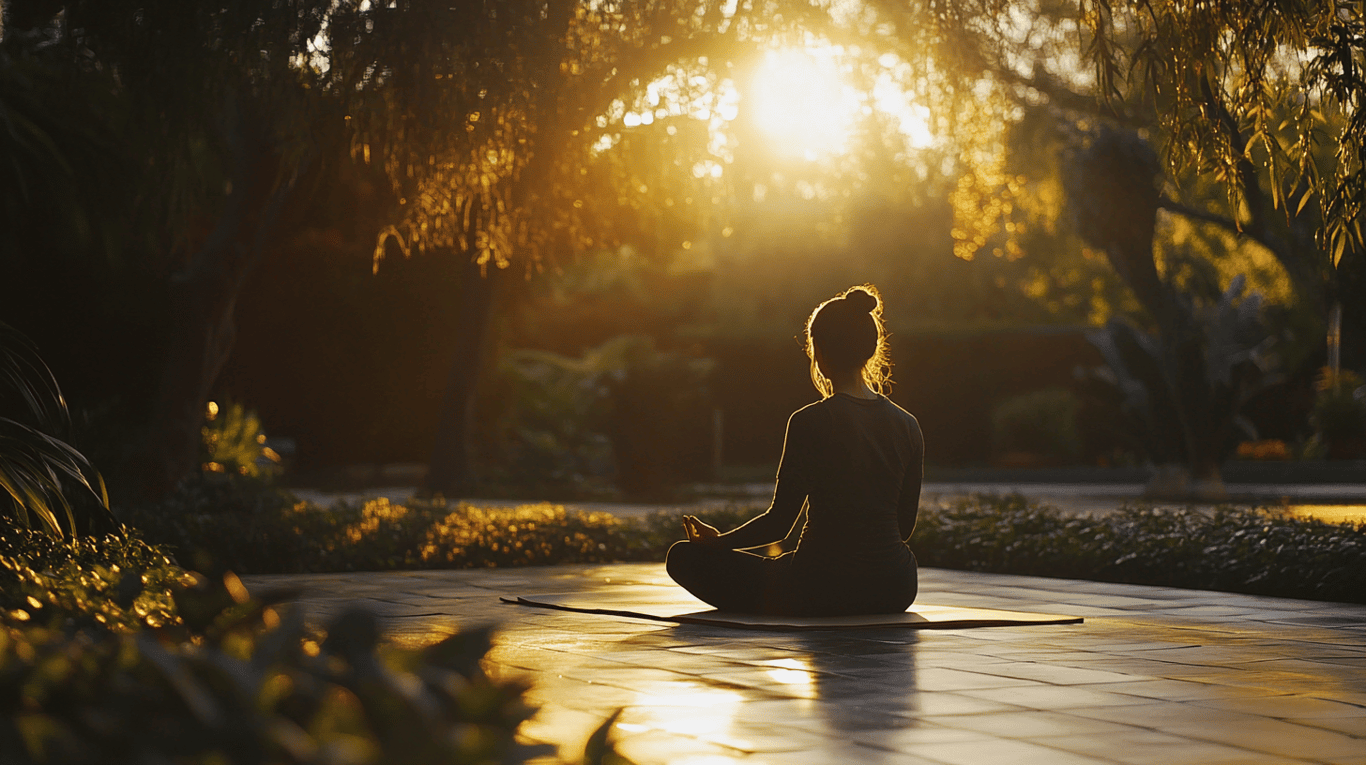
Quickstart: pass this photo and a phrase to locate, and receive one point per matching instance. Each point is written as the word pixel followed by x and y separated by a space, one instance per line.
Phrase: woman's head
pixel 847 332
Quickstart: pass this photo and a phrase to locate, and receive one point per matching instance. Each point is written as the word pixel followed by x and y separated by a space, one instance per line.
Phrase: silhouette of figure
pixel 855 461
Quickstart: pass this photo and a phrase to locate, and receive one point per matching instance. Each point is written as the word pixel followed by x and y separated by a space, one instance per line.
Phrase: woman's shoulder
pixel 816 410
pixel 911 425
pixel 902 414
pixel 901 411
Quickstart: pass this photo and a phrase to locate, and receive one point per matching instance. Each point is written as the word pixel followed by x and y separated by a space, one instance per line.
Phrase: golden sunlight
pixel 790 672
pixel 685 708
pixel 1330 513
pixel 891 97
pixel 800 101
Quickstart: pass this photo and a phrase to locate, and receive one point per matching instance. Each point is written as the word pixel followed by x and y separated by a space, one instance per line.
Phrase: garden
pixel 558 252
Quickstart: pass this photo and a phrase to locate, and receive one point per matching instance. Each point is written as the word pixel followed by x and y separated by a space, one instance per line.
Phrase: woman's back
pixel 858 461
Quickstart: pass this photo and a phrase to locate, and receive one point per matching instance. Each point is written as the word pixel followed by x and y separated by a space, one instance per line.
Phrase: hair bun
pixel 861 299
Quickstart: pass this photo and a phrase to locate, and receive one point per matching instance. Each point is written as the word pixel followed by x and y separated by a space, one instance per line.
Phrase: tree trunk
pixel 1183 361
pixel 449 470
pixel 203 302
pixel 1195 404
pixel 200 343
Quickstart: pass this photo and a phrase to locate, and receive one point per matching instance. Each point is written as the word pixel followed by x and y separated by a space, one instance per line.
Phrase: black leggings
pixel 741 582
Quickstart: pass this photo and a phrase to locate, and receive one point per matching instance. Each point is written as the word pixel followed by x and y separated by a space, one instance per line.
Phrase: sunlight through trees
pixel 520 135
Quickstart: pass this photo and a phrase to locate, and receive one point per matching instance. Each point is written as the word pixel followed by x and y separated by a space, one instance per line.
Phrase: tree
pixel 546 163
pixel 207 110
pixel 957 54
pixel 1244 94
pixel 1239 100
pixel 500 125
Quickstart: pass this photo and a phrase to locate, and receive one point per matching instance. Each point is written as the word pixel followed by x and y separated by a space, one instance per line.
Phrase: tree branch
pixel 1184 210
pixel 1059 94
pixel 1299 268
pixel 1247 172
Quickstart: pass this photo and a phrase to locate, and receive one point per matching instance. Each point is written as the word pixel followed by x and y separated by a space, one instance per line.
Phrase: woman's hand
pixel 700 532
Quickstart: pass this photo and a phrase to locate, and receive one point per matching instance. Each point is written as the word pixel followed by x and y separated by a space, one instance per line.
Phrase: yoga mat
pixel 671 604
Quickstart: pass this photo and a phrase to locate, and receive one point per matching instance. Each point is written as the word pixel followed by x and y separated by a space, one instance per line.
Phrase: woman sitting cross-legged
pixel 855 460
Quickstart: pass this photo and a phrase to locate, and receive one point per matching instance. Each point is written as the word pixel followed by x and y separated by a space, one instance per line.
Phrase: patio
pixel 1154 675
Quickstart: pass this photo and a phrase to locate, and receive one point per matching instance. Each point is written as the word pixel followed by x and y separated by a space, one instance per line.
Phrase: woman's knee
pixel 677 560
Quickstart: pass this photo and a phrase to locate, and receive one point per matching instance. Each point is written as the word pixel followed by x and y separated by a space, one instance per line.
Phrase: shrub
pixel 241 681
pixel 624 410
pixel 1339 415
pixel 1043 422
pixel 286 537
pixel 110 653
pixel 1255 551
pixel 113 582
pixel 1227 548
pixel 234 443
pixel 661 420
pixel 218 493
pixel 551 416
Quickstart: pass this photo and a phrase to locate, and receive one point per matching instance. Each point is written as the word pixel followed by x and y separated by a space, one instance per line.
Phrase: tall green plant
pixel 40 473
pixel 1190 413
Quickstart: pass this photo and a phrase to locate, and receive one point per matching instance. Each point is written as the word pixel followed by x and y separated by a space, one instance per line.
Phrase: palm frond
pixel 23 373
pixel 40 473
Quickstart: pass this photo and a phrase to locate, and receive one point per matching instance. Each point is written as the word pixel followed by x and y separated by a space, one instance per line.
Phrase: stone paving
pixel 1154 675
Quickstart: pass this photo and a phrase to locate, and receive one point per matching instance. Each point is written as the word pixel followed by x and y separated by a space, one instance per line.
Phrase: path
pixel 1154 675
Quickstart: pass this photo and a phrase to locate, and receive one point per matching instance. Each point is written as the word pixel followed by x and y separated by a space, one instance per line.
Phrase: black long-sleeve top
pixel 857 464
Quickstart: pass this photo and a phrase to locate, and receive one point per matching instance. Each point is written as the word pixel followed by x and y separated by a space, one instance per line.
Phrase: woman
pixel 855 460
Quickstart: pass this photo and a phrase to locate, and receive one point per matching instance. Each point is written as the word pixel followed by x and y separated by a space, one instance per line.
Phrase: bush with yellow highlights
pixel 241 680
pixel 110 583
pixel 234 443
pixel 528 535
pixel 111 653
pixel 378 535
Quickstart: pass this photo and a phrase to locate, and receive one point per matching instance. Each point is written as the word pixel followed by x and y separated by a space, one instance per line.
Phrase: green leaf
pixel 37 469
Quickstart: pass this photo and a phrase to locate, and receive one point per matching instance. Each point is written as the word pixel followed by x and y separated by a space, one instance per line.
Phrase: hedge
pixel 1234 549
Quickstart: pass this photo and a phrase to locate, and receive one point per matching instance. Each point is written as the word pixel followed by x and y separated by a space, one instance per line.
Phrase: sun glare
pixel 798 100
pixel 801 102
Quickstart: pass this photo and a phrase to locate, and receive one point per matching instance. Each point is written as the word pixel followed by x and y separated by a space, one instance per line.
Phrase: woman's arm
pixel 908 504
pixel 789 494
